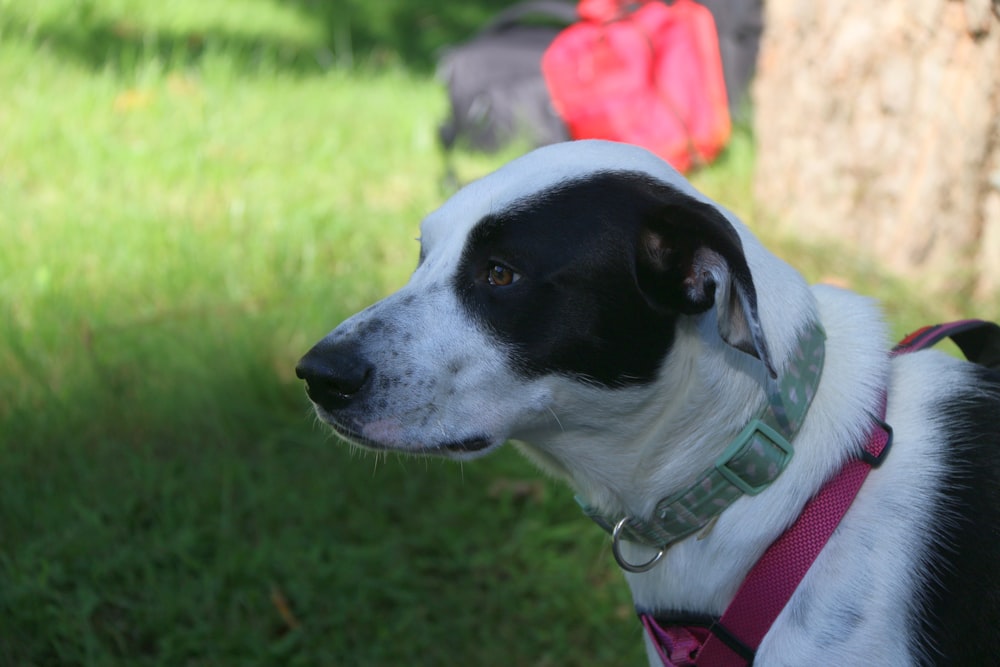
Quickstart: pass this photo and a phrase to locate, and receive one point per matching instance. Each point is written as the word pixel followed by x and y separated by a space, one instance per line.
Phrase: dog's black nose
pixel 334 374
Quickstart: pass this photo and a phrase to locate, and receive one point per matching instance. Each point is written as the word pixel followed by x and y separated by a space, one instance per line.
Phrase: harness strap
pixel 774 578
pixel 677 642
pixel 979 340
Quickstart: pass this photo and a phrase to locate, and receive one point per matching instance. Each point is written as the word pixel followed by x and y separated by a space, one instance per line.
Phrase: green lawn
pixel 191 194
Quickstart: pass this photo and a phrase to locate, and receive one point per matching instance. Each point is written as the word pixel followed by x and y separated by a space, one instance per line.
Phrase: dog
pixel 586 303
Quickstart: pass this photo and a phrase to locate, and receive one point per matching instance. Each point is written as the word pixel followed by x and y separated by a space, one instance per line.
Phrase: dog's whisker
pixel 556 417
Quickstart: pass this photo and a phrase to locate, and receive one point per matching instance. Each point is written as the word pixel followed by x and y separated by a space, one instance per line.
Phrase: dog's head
pixel 575 269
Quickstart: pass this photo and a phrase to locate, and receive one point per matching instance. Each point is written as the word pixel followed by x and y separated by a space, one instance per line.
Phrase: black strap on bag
pixel 495 85
pixel 740 24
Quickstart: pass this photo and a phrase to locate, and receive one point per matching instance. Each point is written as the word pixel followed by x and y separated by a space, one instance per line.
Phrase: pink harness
pixel 733 639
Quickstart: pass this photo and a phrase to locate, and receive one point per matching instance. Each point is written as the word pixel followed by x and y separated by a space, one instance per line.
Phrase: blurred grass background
pixel 191 194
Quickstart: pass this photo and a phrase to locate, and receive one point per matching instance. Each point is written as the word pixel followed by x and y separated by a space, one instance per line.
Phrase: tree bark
pixel 878 124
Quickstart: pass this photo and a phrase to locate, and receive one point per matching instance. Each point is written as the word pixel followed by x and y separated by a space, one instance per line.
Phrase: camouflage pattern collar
pixel 751 462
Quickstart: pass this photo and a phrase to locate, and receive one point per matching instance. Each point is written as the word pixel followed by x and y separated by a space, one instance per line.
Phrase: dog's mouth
pixel 458 448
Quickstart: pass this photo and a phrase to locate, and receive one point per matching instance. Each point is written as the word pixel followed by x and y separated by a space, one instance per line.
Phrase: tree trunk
pixel 878 124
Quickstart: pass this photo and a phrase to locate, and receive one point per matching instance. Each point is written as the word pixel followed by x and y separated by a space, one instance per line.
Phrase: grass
pixel 181 223
pixel 192 194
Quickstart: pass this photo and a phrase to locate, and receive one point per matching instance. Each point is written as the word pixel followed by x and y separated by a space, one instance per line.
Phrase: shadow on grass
pixel 171 501
pixel 414 32
pixel 354 33
pixel 121 46
pixel 257 539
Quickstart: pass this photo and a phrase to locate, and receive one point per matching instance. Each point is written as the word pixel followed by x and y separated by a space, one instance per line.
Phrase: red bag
pixel 651 77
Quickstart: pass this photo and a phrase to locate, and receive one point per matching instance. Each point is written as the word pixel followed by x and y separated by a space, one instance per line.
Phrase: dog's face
pixel 568 269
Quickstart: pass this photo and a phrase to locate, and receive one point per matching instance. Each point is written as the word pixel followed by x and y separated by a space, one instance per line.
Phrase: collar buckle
pixel 754 458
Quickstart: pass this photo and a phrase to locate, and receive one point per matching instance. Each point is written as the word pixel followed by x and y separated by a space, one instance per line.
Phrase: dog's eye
pixel 502 276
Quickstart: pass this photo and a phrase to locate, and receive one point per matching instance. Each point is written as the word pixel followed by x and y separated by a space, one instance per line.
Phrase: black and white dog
pixel 587 303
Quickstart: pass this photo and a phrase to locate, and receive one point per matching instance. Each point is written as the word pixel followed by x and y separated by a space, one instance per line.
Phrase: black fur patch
pixel 963 594
pixel 591 300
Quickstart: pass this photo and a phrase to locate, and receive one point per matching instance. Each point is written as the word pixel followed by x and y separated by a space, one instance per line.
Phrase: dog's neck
pixel 751 462
pixel 706 395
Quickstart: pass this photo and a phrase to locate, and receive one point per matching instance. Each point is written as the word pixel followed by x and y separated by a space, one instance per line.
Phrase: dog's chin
pixel 374 439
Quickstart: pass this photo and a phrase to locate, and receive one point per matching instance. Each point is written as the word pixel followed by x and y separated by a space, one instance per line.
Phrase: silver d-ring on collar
pixel 616 536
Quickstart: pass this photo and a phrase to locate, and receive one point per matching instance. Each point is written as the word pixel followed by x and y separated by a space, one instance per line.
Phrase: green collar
pixel 751 462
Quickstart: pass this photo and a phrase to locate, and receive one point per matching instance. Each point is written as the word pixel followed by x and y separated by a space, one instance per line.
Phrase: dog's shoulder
pixel 924 534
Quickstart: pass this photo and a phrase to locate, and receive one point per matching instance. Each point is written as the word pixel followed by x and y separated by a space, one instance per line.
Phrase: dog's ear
pixel 690 259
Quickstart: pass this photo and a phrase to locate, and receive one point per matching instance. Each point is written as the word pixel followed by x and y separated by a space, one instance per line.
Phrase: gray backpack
pixel 495 82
